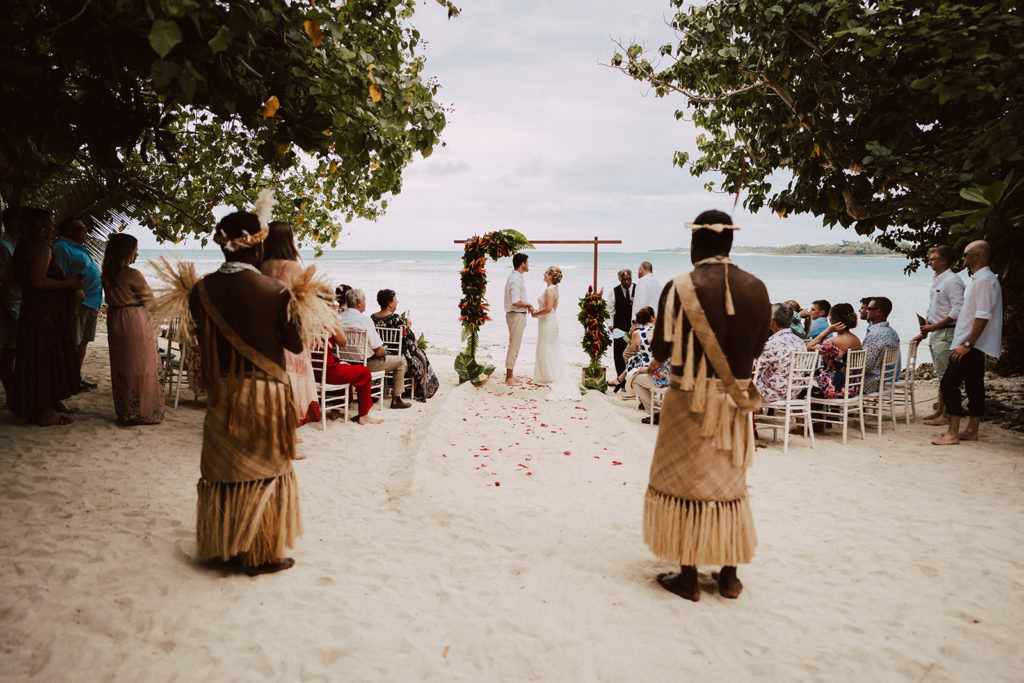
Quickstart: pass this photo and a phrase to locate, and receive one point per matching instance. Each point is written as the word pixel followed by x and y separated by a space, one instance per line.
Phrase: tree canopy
pixel 167 108
pixel 902 119
pixel 877 113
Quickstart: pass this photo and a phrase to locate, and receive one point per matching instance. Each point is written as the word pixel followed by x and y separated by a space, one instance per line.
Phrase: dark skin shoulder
pixel 742 336
pixel 256 308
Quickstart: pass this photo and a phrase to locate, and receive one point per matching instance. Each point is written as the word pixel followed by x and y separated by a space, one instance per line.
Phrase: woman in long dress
pixel 134 360
pixel 46 366
pixel 550 368
pixel 415 357
pixel 281 261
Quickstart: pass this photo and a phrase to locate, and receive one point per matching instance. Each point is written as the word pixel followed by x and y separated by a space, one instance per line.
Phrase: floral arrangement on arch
pixel 596 340
pixel 473 306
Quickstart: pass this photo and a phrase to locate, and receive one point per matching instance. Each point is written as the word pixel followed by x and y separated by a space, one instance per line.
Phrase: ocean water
pixel 428 287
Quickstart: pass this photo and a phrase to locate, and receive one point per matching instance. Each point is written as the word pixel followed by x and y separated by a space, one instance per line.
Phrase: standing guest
pixel 620 308
pixel 516 308
pixel 281 261
pixel 415 357
pixel 978 333
pixel 248 509
pixel 773 371
pixel 46 364
pixel 945 300
pixel 72 257
pixel 134 361
pixel 10 300
pixel 832 344
pixel 879 337
pixel 648 289
pixel 816 317
pixel 356 376
pixel 355 317
pixel 696 510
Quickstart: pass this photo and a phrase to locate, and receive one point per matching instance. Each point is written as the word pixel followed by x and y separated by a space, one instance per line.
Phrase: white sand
pixel 490 535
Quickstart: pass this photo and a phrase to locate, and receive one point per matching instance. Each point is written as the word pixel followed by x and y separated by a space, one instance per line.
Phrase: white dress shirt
pixel 350 317
pixel 947 296
pixel 982 299
pixel 648 292
pixel 515 290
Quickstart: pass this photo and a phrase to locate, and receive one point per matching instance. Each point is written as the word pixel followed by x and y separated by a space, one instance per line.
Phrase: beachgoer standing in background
pixel 945 300
pixel 516 308
pixel 978 333
pixel 696 511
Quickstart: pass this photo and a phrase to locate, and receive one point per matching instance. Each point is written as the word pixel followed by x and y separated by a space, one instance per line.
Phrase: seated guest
pixel 134 361
pixel 341 296
pixel 654 376
pixel 773 372
pixel 816 317
pixel 796 323
pixel 355 317
pixel 832 345
pixel 358 376
pixel 879 337
pixel 415 357
pixel 639 347
pixel 863 311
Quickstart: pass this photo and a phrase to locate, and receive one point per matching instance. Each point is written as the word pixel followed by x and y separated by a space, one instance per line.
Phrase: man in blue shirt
pixel 818 315
pixel 73 258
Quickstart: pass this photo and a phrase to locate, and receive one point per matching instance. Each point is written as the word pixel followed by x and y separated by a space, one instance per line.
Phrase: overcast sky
pixel 546 140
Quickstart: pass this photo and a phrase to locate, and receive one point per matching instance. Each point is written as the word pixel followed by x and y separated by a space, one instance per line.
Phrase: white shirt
pixel 515 290
pixel 648 291
pixel 350 317
pixel 947 296
pixel 983 299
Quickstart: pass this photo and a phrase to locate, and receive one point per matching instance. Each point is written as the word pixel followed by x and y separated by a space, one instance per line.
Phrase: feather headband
pixel 264 209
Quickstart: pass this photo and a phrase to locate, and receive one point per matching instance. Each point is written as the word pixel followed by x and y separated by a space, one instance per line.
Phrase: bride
pixel 550 368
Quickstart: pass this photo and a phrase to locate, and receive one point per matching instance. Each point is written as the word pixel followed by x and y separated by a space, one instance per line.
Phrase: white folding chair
pixel 903 389
pixel 837 411
pixel 392 338
pixel 175 360
pixel 876 402
pixel 355 352
pixel 657 399
pixel 797 401
pixel 329 395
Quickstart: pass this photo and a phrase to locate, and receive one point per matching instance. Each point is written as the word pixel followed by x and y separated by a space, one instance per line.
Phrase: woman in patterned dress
pixel 831 376
pixel 639 345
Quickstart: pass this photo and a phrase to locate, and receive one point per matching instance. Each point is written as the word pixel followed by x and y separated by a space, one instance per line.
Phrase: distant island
pixel 840 249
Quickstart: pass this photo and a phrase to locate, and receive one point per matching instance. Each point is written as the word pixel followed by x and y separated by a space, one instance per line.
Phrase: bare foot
pixel 682 583
pixel 729 585
pixel 61 407
pixel 270 567
pixel 932 416
pixel 946 440
pixel 940 421
pixel 53 420
pixel 968 436
pixel 367 420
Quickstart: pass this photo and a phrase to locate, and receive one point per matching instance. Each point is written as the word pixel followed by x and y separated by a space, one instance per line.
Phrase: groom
pixel 516 308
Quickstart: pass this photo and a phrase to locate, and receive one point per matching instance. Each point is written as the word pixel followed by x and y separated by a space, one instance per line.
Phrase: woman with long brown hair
pixel 134 361
pixel 46 366
pixel 281 261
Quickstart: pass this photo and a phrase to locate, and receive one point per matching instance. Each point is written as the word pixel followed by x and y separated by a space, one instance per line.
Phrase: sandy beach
pixel 489 535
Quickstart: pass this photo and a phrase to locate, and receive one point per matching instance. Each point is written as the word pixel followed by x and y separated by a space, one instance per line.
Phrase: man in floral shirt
pixel 878 338
pixel 773 373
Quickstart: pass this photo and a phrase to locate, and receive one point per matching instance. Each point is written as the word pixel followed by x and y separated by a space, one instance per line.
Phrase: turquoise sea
pixel 428 286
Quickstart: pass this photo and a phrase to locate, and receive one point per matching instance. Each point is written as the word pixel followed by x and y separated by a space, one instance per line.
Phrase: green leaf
pixel 163 36
pixel 220 40
pixel 975 194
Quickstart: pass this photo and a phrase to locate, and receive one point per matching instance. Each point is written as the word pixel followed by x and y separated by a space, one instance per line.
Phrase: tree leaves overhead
pixel 185 105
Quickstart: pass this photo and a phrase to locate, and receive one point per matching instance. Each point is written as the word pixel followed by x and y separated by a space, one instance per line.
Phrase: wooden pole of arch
pixel 594 241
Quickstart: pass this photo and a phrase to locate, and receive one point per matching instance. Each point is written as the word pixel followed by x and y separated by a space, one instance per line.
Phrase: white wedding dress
pixel 550 368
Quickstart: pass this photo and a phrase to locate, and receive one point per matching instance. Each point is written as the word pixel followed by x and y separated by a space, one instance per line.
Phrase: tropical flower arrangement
pixel 593 315
pixel 473 306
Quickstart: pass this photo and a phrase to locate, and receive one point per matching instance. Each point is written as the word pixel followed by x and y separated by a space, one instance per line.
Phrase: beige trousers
pixel 516 327
pixel 394 364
